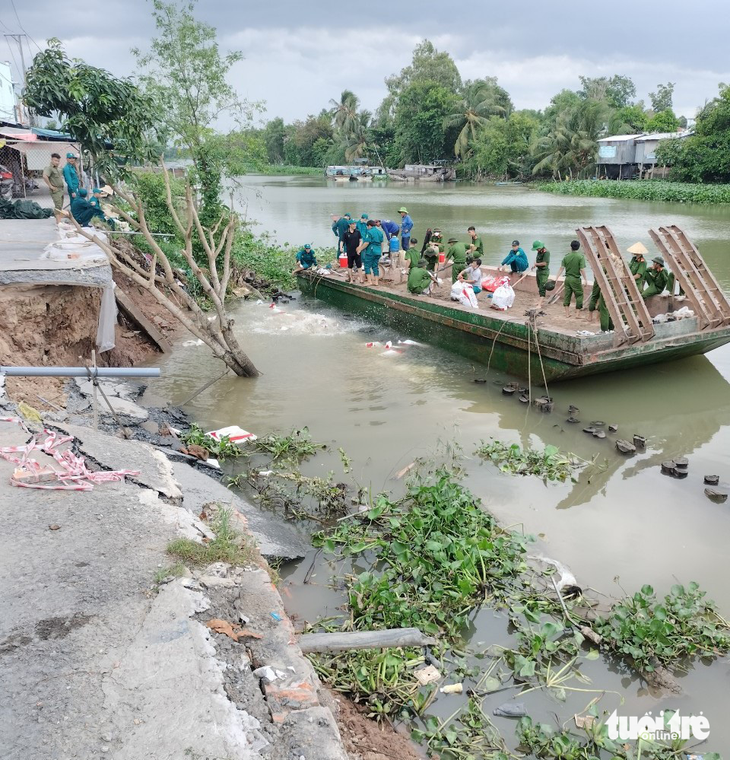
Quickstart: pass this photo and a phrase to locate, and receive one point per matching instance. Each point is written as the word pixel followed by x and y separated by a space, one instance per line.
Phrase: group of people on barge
pixel 368 243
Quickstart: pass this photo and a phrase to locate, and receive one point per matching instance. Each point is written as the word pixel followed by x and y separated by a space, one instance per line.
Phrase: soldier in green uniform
pixel 457 255
pixel 637 265
pixel 574 264
pixel 476 247
pixel 419 279
pixel 53 177
pixel 657 278
pixel 542 269
pixel 433 249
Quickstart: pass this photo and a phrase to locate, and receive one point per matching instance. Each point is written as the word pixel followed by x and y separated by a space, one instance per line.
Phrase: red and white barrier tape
pixel 74 476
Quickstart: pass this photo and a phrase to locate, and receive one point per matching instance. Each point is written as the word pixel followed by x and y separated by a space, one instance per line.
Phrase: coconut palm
pixel 571 145
pixel 480 100
pixel 357 141
pixel 344 111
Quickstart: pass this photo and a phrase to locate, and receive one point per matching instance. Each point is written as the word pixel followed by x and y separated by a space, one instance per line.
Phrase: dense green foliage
pixel 430 115
pixel 97 109
pixel 705 155
pixel 644 190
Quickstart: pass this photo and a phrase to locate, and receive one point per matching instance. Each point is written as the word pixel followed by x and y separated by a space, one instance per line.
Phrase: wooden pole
pixel 341 642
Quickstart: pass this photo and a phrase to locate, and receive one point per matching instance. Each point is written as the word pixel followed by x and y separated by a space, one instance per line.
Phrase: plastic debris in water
pixel 452 688
pixel 372 344
pixel 391 352
pixel 409 342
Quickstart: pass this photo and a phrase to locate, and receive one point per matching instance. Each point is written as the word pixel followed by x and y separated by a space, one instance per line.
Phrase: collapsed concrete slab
pixel 155 470
pixel 275 539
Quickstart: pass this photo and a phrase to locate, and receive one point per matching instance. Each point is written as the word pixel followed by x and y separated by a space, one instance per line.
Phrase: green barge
pixel 542 346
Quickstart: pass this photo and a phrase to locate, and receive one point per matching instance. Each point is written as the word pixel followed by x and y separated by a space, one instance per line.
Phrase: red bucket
pixel 343 261
pixel 442 257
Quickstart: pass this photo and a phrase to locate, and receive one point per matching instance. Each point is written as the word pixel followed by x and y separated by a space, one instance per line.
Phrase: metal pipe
pixel 80 371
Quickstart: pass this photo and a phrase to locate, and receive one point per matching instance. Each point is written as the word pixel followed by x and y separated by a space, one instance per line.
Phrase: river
pixel 622 523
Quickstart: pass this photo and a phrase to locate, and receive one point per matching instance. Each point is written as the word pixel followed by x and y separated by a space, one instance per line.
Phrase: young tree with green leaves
pixel 187 74
pixel 661 100
pixel 97 109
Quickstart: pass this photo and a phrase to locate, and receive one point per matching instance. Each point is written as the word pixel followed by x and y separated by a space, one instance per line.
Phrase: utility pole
pixel 19 41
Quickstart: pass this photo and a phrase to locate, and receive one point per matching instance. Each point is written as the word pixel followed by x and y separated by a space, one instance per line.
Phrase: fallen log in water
pixel 340 642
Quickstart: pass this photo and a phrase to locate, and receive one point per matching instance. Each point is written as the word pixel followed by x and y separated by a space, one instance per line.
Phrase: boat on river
pixel 546 345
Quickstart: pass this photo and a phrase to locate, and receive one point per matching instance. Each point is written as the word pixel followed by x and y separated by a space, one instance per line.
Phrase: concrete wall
pixel 7 93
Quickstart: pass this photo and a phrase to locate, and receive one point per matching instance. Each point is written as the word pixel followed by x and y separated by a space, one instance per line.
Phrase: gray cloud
pixel 299 56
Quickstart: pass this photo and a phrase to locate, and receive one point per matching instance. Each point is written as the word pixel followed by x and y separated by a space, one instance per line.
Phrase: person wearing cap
pixel 516 259
pixel 362 225
pixel 340 225
pixel 371 248
pixel 456 255
pixel 406 226
pixel 476 247
pixel 420 280
pixel 83 211
pixel 306 258
pixel 637 265
pixel 433 249
pixel 574 265
pixel 351 241
pixel 473 275
pixel 656 278
pixel 54 179
pixel 71 176
pixel 95 199
pixel 542 269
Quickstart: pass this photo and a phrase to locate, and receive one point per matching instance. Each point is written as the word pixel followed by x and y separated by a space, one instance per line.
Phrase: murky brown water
pixel 624 520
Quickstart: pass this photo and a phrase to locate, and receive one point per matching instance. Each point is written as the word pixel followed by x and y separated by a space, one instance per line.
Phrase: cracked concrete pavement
pixel 93 661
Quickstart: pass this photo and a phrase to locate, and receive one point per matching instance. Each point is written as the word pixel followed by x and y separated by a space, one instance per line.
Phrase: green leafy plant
pixel 293 448
pixel 652 633
pixel 549 464
pixel 221 449
pixel 642 190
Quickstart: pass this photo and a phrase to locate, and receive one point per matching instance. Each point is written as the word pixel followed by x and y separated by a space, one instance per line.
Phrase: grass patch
pixel 229 545
pixel 641 190
pixel 173 571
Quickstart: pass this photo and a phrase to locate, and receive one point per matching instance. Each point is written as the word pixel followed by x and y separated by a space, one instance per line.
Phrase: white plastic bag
pixel 464 294
pixel 105 333
pixel 503 298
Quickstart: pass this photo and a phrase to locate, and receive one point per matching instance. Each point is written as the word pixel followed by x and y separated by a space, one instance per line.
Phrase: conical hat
pixel 638 248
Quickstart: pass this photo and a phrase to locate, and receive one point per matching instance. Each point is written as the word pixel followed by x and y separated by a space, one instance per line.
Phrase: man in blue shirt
pixel 372 249
pixel 306 257
pixel 406 227
pixel 516 259
pixel 389 227
pixel 71 176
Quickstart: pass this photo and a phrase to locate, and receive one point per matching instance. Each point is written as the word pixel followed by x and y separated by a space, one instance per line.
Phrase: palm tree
pixel 480 100
pixel 344 111
pixel 571 145
pixel 358 140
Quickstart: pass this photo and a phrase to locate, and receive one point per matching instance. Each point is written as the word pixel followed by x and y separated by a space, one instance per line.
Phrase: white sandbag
pixel 464 294
pixel 503 298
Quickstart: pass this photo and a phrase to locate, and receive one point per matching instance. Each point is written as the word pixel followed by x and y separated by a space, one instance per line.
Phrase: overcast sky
pixel 299 55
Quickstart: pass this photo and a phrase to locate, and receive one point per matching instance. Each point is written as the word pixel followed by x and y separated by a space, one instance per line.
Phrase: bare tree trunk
pixel 217 243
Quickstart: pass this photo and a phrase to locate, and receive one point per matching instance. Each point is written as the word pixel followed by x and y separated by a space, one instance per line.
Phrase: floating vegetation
pixel 435 556
pixel 293 448
pixel 221 449
pixel 642 190
pixel 653 633
pixel 549 464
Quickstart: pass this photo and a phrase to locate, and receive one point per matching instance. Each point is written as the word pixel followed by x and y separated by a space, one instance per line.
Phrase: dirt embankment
pixel 54 325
